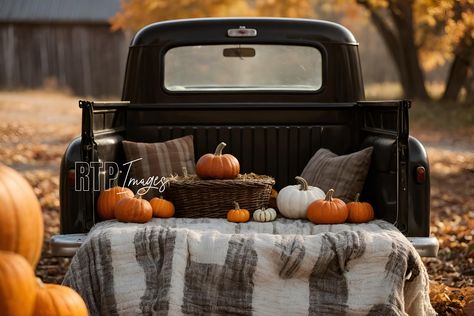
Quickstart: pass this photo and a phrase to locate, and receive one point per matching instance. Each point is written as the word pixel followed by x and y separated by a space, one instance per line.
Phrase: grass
pixel 383 91
pixel 446 116
pixel 428 114
pixel 393 90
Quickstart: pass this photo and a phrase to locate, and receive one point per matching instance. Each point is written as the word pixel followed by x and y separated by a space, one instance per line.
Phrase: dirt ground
pixel 36 126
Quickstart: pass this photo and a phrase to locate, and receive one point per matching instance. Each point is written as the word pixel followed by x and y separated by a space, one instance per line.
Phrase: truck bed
pixel 275 139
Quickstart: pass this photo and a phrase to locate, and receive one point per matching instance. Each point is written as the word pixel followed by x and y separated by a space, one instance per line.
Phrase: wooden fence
pixel 89 59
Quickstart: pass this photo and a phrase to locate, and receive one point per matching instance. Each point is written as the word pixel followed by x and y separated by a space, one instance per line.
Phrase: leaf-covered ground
pixel 35 128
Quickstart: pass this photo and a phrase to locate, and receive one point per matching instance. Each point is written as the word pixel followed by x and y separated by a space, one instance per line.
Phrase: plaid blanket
pixel 213 267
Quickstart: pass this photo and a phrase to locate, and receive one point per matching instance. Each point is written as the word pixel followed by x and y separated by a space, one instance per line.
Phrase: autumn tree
pixel 461 28
pixel 422 34
pixel 284 8
pixel 138 13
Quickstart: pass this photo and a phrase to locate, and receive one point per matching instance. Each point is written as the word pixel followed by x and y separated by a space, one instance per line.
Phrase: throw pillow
pixel 345 174
pixel 158 159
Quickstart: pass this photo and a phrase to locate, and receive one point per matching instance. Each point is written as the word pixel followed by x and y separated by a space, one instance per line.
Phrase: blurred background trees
pixel 423 34
pixel 420 49
pixel 421 37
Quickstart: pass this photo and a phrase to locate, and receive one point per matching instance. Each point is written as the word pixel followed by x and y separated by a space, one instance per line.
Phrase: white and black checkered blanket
pixel 213 267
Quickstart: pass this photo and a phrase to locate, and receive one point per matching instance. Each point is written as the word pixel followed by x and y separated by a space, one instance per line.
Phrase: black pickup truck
pixel 275 90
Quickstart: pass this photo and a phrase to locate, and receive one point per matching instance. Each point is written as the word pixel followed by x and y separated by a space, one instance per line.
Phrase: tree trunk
pixel 456 78
pixel 470 84
pixel 413 79
pixel 400 42
pixel 460 72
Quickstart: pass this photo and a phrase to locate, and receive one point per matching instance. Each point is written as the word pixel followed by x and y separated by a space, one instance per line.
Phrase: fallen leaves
pixel 452 217
pixel 452 222
pixel 452 301
pixel 34 132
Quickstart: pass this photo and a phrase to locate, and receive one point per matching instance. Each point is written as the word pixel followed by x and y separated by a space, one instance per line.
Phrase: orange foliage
pixel 137 13
pixel 440 25
pixel 285 8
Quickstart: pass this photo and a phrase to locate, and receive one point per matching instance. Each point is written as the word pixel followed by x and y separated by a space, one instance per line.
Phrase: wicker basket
pixel 194 197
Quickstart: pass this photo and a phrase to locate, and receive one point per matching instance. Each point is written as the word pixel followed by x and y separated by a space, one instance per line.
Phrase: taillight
pixel 420 174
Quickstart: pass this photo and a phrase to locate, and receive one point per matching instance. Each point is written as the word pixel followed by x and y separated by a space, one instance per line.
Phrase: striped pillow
pixel 345 174
pixel 159 159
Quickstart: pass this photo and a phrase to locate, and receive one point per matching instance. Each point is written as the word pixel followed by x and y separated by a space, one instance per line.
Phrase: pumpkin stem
pixel 329 195
pixel 304 184
pixel 139 195
pixel 357 197
pixel 219 149
pixel 236 205
pixel 185 171
pixel 40 283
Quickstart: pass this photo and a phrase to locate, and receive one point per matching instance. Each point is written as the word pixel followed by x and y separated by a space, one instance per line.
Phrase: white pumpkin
pixel 264 215
pixel 293 200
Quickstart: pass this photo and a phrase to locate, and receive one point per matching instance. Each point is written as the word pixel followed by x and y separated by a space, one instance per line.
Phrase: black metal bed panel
pixel 279 151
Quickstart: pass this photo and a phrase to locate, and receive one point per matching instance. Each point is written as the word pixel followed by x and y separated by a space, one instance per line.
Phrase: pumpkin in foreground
pixel 161 207
pixel 218 165
pixel 360 212
pixel 21 219
pixel 330 210
pixel 58 300
pixel 238 215
pixel 133 210
pixel 17 285
pixel 109 198
pixel 264 215
pixel 293 200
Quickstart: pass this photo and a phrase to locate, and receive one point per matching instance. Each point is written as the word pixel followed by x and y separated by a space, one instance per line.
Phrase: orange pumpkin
pixel 273 199
pixel 238 215
pixel 217 165
pixel 133 210
pixel 17 285
pixel 328 211
pixel 21 219
pixel 108 198
pixel 58 300
pixel 161 207
pixel 360 212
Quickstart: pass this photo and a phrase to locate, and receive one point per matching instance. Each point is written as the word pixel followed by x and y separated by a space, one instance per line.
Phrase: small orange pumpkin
pixel 21 219
pixel 360 212
pixel 328 211
pixel 217 165
pixel 161 207
pixel 238 215
pixel 108 198
pixel 273 199
pixel 17 285
pixel 54 299
pixel 133 210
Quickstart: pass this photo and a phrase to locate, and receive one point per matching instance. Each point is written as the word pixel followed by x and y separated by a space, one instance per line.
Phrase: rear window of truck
pixel 243 68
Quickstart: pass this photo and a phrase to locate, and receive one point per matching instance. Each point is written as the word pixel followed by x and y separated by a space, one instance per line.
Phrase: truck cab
pixel 275 90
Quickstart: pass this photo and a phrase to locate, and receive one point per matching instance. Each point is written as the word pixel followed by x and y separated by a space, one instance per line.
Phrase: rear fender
pixel 418 191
